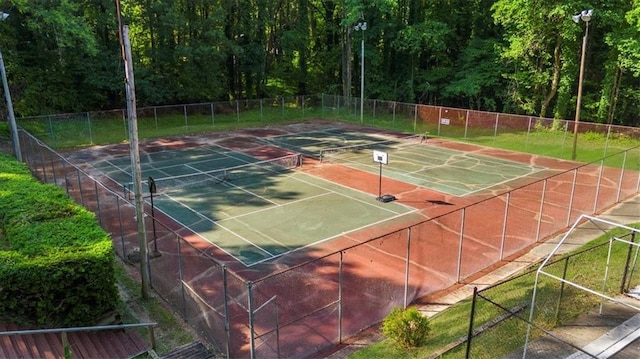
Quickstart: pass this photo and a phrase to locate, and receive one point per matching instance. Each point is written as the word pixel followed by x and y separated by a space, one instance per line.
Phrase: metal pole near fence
pixel 252 340
pixel 406 269
pixel 459 274
pixel 227 329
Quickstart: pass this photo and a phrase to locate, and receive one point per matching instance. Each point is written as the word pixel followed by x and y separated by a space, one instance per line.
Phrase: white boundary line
pixel 294 176
pixel 456 157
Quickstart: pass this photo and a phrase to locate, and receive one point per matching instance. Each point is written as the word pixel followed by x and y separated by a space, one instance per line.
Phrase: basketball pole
pixel 380 183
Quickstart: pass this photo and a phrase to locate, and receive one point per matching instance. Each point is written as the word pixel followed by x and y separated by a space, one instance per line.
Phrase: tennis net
pixel 198 179
pixel 337 154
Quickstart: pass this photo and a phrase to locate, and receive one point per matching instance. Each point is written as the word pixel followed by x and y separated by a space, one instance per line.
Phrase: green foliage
pixel 497 55
pixel 408 328
pixel 56 263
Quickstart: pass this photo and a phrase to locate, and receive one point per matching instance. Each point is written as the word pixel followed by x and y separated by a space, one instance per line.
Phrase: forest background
pixel 513 56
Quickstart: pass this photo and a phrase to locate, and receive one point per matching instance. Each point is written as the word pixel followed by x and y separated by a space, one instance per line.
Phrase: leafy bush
pixel 408 328
pixel 56 263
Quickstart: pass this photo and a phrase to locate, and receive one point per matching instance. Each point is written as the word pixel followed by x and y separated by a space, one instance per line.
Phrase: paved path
pixel 625 213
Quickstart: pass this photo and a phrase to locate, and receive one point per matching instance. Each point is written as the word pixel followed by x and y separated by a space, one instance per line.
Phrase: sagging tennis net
pixel 345 153
pixel 198 179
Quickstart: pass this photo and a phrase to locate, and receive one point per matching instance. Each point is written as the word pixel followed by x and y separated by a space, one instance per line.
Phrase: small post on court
pixel 382 158
pixel 152 189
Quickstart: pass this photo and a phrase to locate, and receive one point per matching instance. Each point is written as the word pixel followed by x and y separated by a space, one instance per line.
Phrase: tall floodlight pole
pixel 585 16
pixel 361 26
pixel 7 96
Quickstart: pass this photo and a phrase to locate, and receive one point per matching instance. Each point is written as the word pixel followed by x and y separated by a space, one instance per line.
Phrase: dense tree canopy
pixel 518 56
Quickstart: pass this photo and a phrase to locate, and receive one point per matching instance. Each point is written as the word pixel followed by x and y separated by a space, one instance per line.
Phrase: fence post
pixel 415 118
pixel 463 212
pixel 504 225
pixel 573 192
pixel 227 330
pixel 623 286
pixel 606 142
pixel 526 142
pixel 561 294
pixel 66 180
pixel 544 192
pixel 495 130
pixel 439 118
pixel 624 165
pixel 51 134
pixel 43 163
pixel 473 312
pixel 394 114
pixel 238 110
pixel 252 344
pixel 95 185
pixel 213 118
pixel 466 123
pixel 53 167
pixel 406 269
pixel 564 138
pixel 595 201
pixel 181 276
pixel 124 250
pixel 340 266
pixel 89 124
pixel 80 186
pixel 186 119
pixel 375 103
pixel 155 117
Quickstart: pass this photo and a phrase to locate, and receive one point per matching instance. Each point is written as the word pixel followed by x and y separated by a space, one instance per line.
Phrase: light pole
pixel 361 26
pixel 585 16
pixel 7 96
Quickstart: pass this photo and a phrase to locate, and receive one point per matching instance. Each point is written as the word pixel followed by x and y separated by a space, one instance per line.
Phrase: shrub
pixel 56 263
pixel 408 328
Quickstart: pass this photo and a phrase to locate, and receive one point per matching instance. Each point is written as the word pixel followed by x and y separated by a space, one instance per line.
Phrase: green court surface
pixel 411 160
pixel 313 143
pixel 449 171
pixel 259 218
pixel 169 164
pixel 258 215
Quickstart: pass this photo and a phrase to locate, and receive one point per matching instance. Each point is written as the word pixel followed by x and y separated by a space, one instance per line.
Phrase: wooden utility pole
pixel 134 150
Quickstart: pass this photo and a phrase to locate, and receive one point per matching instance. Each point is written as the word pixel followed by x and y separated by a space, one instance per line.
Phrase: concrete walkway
pixel 624 213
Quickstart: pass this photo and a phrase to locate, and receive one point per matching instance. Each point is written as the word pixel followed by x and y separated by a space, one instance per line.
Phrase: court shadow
pixel 439 202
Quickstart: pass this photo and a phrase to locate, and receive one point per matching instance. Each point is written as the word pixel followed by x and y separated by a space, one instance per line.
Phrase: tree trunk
pixel 554 82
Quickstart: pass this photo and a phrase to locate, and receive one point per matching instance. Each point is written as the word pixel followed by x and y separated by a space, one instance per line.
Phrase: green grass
pixel 452 324
pixel 80 130
pixel 170 332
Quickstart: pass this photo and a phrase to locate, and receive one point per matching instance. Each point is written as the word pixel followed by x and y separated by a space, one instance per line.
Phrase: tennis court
pixel 252 210
pixel 410 159
pixel 313 143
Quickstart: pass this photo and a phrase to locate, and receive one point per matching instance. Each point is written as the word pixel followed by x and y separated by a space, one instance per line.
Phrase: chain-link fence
pixel 103 127
pixel 295 310
pixel 553 328
pixel 552 137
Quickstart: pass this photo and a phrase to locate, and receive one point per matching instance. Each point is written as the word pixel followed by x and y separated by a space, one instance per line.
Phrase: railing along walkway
pixel 107 341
